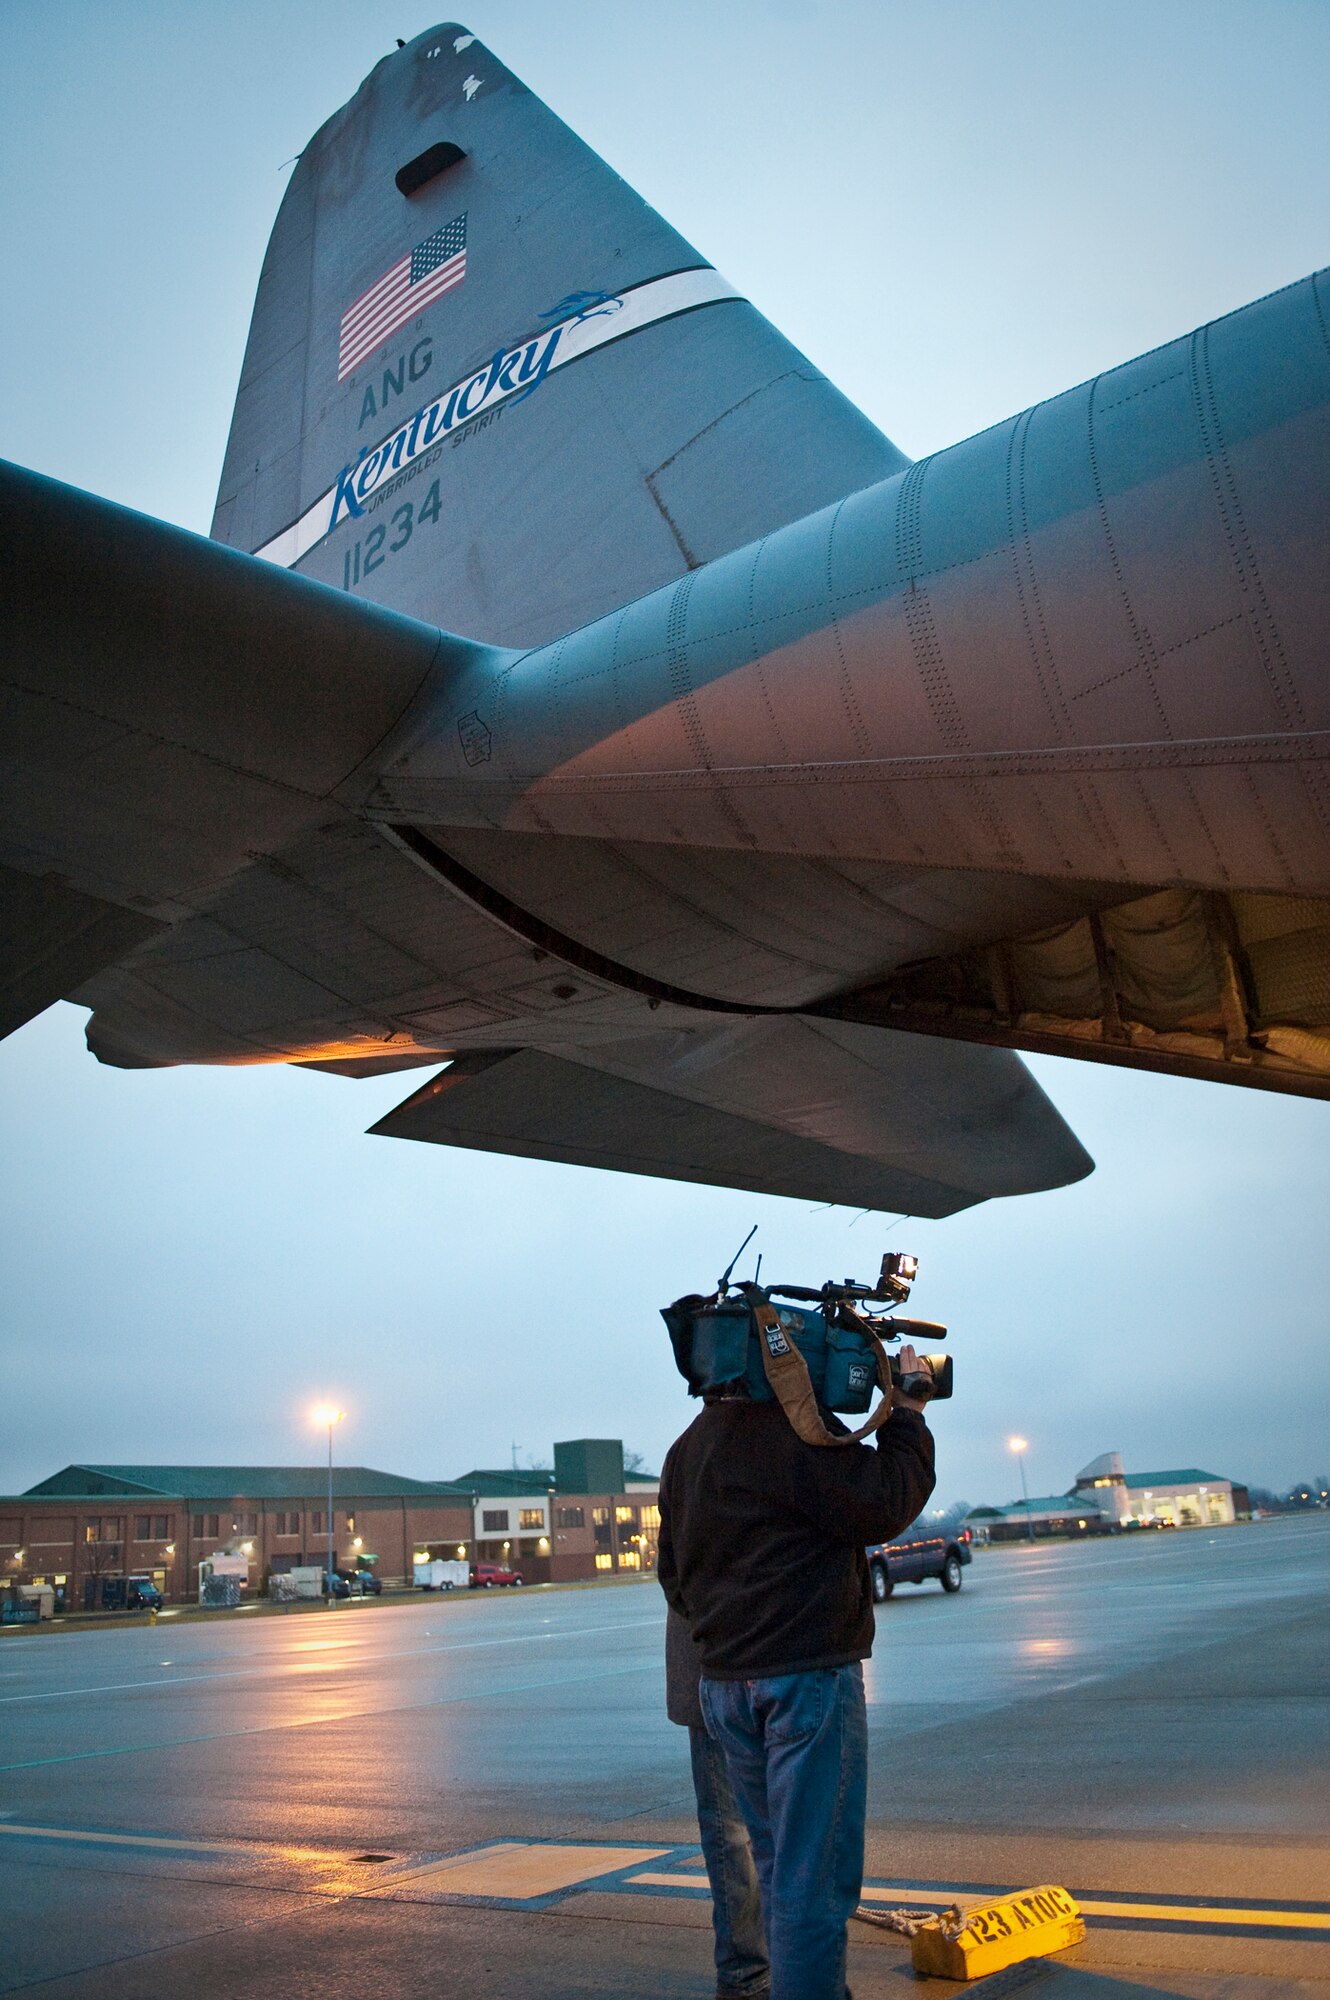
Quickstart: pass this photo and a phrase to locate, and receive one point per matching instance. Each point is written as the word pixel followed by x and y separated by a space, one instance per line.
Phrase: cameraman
pixel 762 1541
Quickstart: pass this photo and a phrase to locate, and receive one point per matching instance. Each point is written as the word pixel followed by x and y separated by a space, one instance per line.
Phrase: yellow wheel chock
pixel 968 1944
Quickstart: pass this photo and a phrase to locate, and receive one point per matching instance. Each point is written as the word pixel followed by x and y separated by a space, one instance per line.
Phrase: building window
pixel 288 1524
pixel 600 1521
pixel 572 1517
pixel 531 1517
pixel 629 1559
pixel 198 1524
pixel 605 1561
pixel 142 1527
pixel 651 1519
pixel 316 1522
pixel 92 1531
pixel 350 1524
pixel 161 1526
pixel 626 1516
pixel 107 1529
pixel 245 1524
pixel 494 1519
pixel 207 1525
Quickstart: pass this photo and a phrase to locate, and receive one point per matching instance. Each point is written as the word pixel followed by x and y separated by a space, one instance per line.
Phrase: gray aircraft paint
pixel 1050 650
pixel 760 746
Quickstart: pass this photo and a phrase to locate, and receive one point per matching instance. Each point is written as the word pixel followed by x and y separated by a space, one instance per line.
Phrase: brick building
pixel 93 1521
pixel 586 1518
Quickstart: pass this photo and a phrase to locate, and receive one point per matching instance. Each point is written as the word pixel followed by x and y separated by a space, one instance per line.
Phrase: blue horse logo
pixel 584 305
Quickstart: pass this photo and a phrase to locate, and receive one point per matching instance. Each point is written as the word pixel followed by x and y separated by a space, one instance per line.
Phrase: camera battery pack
pixel 718 1343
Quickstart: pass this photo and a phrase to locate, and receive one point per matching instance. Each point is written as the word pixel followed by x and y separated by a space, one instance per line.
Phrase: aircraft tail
pixel 487 385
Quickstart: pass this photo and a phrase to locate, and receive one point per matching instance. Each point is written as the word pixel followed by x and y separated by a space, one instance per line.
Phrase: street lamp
pixel 326 1414
pixel 1020 1446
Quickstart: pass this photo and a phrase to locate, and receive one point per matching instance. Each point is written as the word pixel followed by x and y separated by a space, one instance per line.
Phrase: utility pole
pixel 1020 1446
pixel 329 1416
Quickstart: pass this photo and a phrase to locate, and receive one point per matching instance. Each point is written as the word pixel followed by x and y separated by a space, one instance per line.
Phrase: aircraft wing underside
pixel 826 1111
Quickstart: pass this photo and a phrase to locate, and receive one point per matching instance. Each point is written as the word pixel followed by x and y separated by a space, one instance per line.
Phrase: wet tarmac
pixel 482 1795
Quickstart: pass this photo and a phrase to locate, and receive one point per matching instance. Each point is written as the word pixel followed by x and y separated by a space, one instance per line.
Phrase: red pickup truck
pixel 917 1555
pixel 490 1576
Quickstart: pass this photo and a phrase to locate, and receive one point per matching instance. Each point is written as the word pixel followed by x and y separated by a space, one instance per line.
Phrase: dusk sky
pixel 955 210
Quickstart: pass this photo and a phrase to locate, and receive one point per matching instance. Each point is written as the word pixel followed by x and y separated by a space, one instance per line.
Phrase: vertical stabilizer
pixel 488 385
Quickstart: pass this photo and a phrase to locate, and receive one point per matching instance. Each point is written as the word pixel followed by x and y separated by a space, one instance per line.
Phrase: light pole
pixel 326 1414
pixel 1020 1446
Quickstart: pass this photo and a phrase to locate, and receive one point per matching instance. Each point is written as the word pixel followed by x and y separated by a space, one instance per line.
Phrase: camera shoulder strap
pixel 791 1384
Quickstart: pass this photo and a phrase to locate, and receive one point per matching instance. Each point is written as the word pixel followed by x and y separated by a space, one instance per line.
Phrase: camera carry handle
pixel 791 1384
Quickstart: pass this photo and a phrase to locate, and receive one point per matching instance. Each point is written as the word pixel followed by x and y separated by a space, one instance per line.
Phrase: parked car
pixel 355 1583
pixel 918 1555
pixel 489 1576
pixel 120 1593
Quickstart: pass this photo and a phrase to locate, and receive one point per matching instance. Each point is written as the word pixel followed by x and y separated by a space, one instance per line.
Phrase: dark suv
pixel 916 1556
pixel 356 1583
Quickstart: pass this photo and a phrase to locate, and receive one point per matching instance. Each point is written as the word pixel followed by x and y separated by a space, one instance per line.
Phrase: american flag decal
pixel 413 283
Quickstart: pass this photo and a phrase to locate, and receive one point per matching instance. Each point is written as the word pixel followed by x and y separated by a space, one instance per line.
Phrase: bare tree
pixel 98 1559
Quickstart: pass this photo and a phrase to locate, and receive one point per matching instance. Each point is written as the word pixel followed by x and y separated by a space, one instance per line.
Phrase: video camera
pixel 737 1336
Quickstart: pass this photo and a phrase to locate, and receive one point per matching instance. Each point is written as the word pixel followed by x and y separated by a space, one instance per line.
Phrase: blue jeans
pixel 797 1751
pixel 736 1904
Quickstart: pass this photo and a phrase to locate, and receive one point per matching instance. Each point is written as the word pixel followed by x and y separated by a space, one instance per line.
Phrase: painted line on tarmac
pixel 1120 1912
pixel 315 1721
pixel 531 1874
pixel 277 1669
pixel 511 1874
pixel 81 1835
pixel 519 1871
pixel 1209 1915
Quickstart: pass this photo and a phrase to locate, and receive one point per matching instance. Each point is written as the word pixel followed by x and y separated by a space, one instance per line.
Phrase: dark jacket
pixel 683 1668
pixel 762 1536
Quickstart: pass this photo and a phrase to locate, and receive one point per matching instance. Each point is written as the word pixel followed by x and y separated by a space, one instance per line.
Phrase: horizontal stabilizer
pixel 173 712
pixel 819 1111
pixel 52 939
